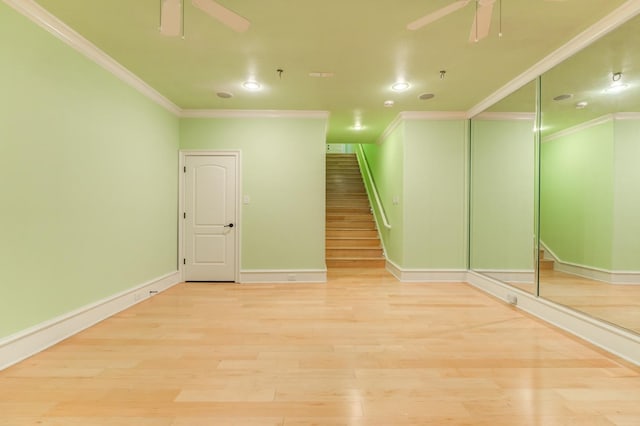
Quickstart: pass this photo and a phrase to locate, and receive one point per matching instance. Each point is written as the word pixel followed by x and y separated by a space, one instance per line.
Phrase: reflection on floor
pixel 617 304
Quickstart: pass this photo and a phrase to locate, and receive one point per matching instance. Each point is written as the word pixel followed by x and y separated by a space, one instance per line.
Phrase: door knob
pixel 229 225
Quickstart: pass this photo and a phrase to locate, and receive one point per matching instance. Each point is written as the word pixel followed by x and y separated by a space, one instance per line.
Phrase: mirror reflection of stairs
pixel 352 239
pixel 546 264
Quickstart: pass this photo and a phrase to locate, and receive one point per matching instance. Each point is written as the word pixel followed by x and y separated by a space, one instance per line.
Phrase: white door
pixel 209 218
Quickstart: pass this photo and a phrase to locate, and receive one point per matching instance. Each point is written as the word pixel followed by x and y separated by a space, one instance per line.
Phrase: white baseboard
pixel 609 277
pixel 591 272
pixel 510 276
pixel 283 276
pixel 618 341
pixel 426 275
pixel 26 343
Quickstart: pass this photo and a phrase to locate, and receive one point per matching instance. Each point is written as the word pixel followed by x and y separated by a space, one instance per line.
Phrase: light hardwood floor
pixel 362 349
pixel 615 303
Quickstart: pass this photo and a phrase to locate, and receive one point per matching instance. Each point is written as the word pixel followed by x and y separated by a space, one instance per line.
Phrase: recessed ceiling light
pixel 389 103
pixel 425 96
pixel 582 105
pixel 563 97
pixel 224 95
pixel 617 85
pixel 400 86
pixel 251 85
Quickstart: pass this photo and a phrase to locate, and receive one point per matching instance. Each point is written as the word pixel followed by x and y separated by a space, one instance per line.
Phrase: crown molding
pixel 390 129
pixel 419 115
pixel 433 115
pixel 618 116
pixel 626 116
pixel 613 20
pixel 62 31
pixel 510 116
pixel 255 113
pixel 579 127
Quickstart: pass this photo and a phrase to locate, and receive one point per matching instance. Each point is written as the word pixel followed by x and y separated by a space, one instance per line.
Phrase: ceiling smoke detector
pixel 426 96
pixel 224 95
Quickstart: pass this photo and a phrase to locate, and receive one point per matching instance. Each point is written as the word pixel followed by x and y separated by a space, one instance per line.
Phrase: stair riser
pixel 354 253
pixel 359 263
pixel 350 225
pixel 348 206
pixel 367 217
pixel 352 242
pixel 546 265
pixel 347 210
pixel 351 233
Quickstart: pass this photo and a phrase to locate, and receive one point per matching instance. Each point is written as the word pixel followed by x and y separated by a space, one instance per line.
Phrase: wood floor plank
pixel 363 349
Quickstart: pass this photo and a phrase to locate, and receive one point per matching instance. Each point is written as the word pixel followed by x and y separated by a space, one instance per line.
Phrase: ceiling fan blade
pixel 222 14
pixel 171 17
pixel 482 19
pixel 434 16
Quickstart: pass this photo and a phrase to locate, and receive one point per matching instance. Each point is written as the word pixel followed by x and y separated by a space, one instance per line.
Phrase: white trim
pixel 591 272
pixel 579 127
pixel 26 343
pixel 597 274
pixel 618 341
pixel 420 115
pixel 510 275
pixel 256 113
pixel 390 129
pixel 59 29
pixel 433 115
pixel 364 166
pixel 181 207
pixel 426 275
pixel 626 116
pixel 613 20
pixel 283 276
pixel 508 116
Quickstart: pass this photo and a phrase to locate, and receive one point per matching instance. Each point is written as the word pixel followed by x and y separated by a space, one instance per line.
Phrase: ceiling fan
pixel 172 16
pixel 481 21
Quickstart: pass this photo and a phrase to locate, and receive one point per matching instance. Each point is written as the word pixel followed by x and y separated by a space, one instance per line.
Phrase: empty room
pixel 285 212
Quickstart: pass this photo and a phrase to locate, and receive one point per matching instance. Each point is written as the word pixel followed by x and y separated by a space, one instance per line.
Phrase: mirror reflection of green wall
pixel 590 179
pixel 502 190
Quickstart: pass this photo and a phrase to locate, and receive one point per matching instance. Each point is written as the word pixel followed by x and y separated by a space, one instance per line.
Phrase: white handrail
pixel 372 184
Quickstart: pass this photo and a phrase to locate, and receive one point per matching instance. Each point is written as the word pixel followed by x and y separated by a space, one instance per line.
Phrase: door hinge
pixel 184 261
pixel 185 169
pixel 184 215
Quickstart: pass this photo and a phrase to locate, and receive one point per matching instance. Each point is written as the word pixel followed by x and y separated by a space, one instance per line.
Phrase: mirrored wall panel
pixel 590 180
pixel 502 190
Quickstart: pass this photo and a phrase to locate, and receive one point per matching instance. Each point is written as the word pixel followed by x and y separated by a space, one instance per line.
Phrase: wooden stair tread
pixel 351 238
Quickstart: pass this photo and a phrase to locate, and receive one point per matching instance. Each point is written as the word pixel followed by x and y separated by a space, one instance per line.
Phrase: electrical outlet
pixel 512 299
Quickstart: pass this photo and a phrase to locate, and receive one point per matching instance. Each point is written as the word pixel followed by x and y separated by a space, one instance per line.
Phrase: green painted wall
pixel 626 211
pixel 423 163
pixel 88 180
pixel 576 196
pixel 386 162
pixel 435 194
pixel 283 173
pixel 502 195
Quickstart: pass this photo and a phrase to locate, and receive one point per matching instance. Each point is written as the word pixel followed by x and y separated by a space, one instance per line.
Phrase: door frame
pixel 184 153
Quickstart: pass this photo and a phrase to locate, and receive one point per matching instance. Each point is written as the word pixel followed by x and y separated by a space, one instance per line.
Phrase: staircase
pixel 352 238
pixel 545 264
